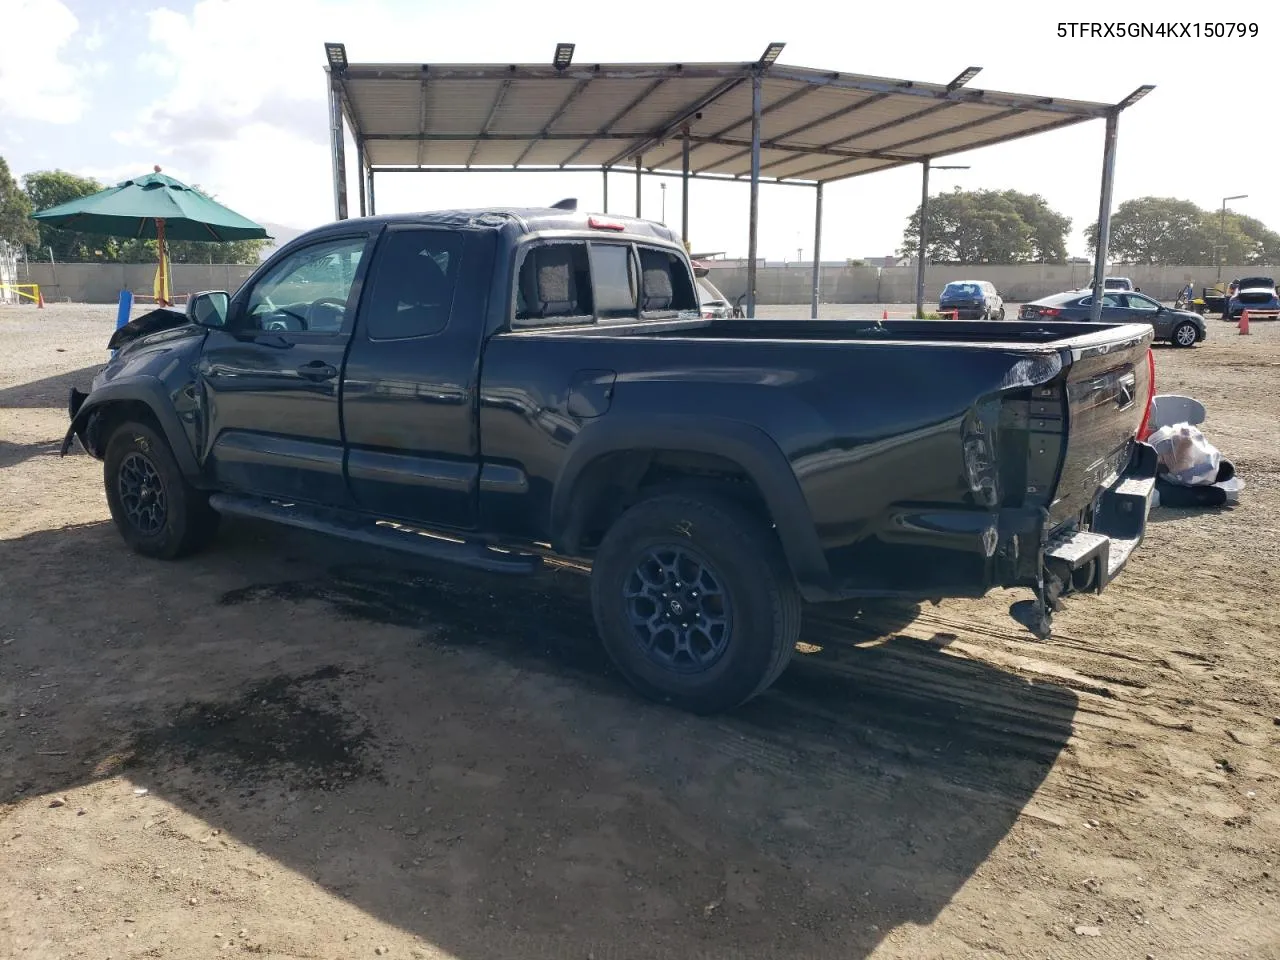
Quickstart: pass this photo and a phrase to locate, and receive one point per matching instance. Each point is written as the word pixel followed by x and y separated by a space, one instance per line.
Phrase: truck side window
pixel 414 275
pixel 666 288
pixel 613 278
pixel 554 285
pixel 307 291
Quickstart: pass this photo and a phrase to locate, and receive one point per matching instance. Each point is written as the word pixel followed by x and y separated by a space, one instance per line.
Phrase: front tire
pixel 156 511
pixel 1184 335
pixel 694 602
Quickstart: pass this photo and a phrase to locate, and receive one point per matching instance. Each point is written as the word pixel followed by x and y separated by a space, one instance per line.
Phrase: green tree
pixel 1172 232
pixel 48 188
pixel 16 224
pixel 989 226
pixel 1047 228
pixel 1262 243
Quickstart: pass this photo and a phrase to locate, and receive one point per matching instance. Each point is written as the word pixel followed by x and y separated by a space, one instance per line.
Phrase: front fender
pixel 748 446
pixel 147 391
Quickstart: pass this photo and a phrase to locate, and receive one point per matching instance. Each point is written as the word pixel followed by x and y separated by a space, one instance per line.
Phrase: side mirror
pixel 1137 289
pixel 209 308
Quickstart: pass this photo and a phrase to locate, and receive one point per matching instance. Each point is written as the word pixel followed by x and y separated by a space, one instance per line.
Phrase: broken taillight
pixel 1144 429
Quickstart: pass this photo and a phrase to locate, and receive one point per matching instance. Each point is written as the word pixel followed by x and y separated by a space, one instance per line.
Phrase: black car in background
pixel 971 300
pixel 1182 328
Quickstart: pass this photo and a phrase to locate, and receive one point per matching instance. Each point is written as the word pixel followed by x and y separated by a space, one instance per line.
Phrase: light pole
pixel 924 231
pixel 1222 229
pixel 664 201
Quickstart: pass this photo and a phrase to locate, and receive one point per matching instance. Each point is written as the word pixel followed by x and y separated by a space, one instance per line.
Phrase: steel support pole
pixel 1104 216
pixel 337 146
pixel 921 258
pixel 1222 238
pixel 604 175
pixel 817 253
pixel 361 175
pixel 637 188
pixel 373 209
pixel 684 189
pixel 753 220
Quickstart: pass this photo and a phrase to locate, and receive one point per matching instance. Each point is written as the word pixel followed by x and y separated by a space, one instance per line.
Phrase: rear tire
pixel 156 511
pixel 1184 335
pixel 694 602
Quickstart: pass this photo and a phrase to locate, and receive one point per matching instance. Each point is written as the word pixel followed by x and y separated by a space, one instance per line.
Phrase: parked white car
pixel 711 302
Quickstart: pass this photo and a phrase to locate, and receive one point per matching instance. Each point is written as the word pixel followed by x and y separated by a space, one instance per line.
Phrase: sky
pixel 231 94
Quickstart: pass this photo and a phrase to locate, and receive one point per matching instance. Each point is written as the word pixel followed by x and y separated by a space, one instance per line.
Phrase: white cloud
pixel 35 82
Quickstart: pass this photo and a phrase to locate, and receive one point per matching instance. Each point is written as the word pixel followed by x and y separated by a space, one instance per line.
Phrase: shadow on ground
pixel 49 392
pixel 451 753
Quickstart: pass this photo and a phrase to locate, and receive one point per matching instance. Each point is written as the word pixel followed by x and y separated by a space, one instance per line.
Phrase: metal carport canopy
pixel 753 122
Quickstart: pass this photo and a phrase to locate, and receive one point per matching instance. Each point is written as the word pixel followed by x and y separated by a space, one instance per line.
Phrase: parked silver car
pixel 711 301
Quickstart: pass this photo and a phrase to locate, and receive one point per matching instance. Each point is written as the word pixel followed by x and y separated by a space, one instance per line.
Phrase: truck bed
pixel 1008 334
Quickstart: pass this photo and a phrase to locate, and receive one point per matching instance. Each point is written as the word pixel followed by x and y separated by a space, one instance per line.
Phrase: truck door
pixel 409 403
pixel 270 379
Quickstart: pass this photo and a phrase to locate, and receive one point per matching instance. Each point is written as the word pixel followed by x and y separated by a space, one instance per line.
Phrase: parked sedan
pixel 971 300
pixel 1255 294
pixel 711 302
pixel 1182 328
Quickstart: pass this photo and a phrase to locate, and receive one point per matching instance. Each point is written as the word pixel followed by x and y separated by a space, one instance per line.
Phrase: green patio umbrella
pixel 153 207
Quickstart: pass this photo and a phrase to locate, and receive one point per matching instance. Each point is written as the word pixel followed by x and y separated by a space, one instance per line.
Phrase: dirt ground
pixel 296 748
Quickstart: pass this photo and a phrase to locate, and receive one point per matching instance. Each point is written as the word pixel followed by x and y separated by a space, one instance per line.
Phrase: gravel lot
pixel 297 748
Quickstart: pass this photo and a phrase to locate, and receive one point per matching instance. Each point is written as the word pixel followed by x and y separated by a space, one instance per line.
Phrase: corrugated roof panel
pixel 454 107
pixel 527 107
pixel 955 115
pixel 550 153
pixel 600 102
pixel 976 136
pixel 391 153
pixel 803 109
pixel 499 153
pixel 851 168
pixel 385 106
pixel 447 153
pixel 869 114
pixel 708 158
pixel 666 103
pixel 599 152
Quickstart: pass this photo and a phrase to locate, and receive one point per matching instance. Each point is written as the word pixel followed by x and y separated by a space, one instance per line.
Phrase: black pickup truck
pixel 497 387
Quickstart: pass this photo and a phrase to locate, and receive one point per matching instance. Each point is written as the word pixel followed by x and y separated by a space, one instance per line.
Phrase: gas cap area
pixel 590 393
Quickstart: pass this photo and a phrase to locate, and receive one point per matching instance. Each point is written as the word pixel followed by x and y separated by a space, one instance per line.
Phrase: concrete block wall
pixel 1017 283
pixel 793 283
pixel 102 282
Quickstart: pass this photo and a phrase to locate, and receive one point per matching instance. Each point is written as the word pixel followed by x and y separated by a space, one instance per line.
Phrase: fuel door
pixel 590 393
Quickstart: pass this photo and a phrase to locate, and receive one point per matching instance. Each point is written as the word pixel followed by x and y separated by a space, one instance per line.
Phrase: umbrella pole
pixel 161 291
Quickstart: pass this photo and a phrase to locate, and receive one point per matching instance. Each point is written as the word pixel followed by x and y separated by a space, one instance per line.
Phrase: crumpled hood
pixel 162 318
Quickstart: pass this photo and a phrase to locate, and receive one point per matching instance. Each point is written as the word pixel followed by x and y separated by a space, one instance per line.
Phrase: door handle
pixel 317 370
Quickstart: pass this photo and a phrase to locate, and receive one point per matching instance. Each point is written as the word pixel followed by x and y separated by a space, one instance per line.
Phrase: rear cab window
pixel 411 290
pixel 562 282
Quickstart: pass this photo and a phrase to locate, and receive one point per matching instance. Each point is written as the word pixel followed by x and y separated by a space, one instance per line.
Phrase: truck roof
pixel 519 220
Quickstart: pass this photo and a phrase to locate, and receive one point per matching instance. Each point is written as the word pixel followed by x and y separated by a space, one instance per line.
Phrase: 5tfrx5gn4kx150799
pixel 534 381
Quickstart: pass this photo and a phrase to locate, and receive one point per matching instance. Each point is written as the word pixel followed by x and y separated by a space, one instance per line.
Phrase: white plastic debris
pixel 1187 457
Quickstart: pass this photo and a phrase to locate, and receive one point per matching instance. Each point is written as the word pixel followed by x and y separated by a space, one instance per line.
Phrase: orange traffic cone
pixel 39 298
pixel 884 315
pixel 1244 323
